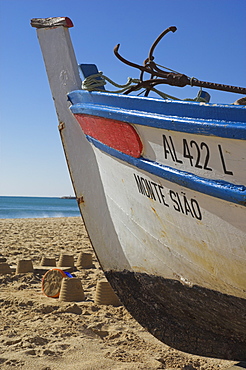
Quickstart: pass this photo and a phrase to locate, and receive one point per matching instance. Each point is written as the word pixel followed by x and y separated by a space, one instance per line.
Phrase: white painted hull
pixel 204 247
pixel 173 249
pixel 211 157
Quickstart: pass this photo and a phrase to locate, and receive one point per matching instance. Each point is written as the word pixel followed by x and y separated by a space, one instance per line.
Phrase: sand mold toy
pixel 51 282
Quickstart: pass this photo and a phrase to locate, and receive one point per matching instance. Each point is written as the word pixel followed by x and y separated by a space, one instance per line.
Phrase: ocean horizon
pixel 37 207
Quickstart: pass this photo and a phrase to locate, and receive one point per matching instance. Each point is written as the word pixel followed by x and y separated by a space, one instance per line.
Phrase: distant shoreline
pixel 38 207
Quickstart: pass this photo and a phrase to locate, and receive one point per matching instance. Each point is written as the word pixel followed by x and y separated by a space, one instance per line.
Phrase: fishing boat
pixel 160 184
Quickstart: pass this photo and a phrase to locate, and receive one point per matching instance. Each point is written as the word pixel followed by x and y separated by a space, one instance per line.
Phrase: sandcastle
pixel 57 283
pixel 105 294
pixel 66 260
pixel 4 268
pixel 84 260
pixel 51 282
pixel 24 266
pixel 48 261
pixel 71 290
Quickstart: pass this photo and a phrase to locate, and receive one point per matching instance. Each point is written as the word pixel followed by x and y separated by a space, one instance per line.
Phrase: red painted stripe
pixel 116 134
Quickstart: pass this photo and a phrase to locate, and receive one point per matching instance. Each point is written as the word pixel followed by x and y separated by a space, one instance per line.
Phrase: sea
pixel 37 207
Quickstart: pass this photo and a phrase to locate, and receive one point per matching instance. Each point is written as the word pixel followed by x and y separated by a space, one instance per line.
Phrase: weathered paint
pixel 118 135
pixel 187 232
pixel 60 63
pixel 178 247
pixel 80 200
pixel 194 319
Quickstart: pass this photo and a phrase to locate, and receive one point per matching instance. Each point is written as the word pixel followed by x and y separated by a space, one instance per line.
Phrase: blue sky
pixel 209 45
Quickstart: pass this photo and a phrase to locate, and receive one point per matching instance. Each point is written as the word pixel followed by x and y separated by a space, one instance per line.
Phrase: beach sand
pixel 41 333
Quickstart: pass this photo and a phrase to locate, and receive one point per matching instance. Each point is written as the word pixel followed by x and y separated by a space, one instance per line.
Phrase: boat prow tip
pixel 51 22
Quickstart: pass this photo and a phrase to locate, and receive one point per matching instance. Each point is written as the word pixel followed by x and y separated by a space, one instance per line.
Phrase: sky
pixel 209 44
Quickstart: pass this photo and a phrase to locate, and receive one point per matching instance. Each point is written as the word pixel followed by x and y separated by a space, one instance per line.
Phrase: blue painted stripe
pixel 207 119
pixel 215 188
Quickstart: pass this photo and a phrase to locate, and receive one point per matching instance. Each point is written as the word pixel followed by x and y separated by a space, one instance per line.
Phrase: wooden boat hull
pixel 183 235
pixel 194 320
pixel 161 189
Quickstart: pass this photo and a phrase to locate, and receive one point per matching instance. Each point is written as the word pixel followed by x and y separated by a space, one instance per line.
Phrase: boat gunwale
pixel 98 104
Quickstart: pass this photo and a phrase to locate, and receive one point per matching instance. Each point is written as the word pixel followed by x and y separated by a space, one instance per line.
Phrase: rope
pixel 97 81
pixel 169 69
pixel 192 79
pixel 164 95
